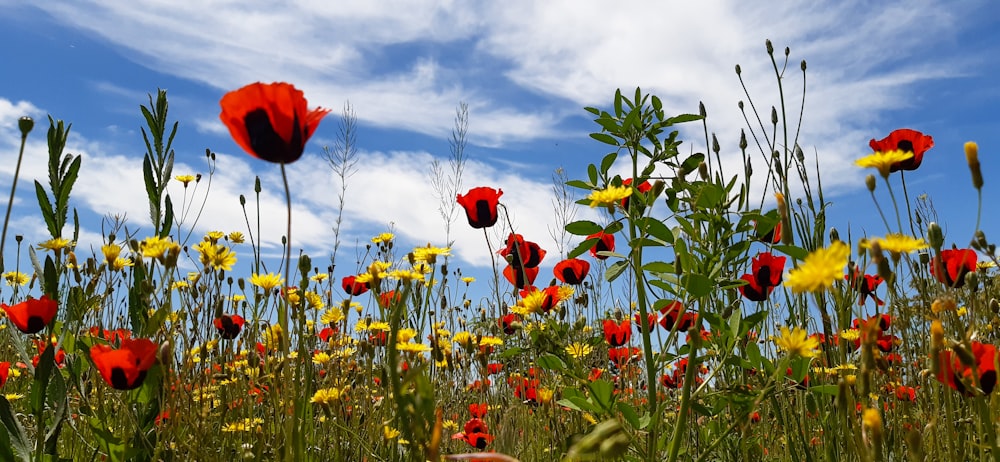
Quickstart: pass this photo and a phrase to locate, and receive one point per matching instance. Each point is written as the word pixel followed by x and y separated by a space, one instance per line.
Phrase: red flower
pixel 478 410
pixel 904 393
pixel 643 188
pixel 494 368
pixel 605 243
pixel 353 287
pixel 617 334
pixel 771 237
pixel 229 325
pixel 521 278
pixel 480 206
pixel 623 355
pixel 326 333
pixel 866 285
pixel 476 434
pixel 390 298
pixel 4 371
pixel 507 321
pixel 270 121
pixel 521 253
pixel 126 367
pixel 572 271
pixel 956 374
pixel 32 315
pixel 905 140
pixel 766 275
pixel 956 263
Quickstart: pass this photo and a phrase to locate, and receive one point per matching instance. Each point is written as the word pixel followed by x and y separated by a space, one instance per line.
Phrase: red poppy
pixel 325 334
pixel 353 287
pixel 390 298
pixel 507 323
pixel 59 358
pixel 605 243
pixel 521 278
pixel 904 393
pixel 126 367
pixel 617 334
pixel 521 253
pixel 804 384
pixel 956 374
pixel 623 355
pixel 866 285
pixel 480 206
pixel 33 314
pixel 4 371
pixel 270 121
pixel 476 434
pixel 494 368
pixel 378 338
pixel 884 322
pixel 766 275
pixel 112 336
pixel 478 410
pixel 643 188
pixel 771 237
pixel 229 325
pixel 956 263
pixel 572 271
pixel 906 140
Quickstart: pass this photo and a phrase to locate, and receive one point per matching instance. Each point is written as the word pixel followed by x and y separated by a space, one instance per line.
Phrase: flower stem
pixel 13 189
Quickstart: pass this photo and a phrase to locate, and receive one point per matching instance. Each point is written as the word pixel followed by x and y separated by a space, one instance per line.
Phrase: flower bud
pixel 743 140
pixel 715 144
pixel 769 46
pixel 701 108
pixel 935 237
pixel 870 182
pixel 738 72
pixel 774 116
pixel 256 185
pixel 972 158
pixel 972 280
pixel 703 171
pixel 803 65
pixel 994 306
pixel 834 235
pixel 25 124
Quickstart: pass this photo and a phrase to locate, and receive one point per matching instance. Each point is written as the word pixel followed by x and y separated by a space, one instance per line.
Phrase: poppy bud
pixel 743 140
pixel 25 124
pixel 715 144
pixel 935 237
pixel 994 306
pixel 738 72
pixel 703 171
pixel 774 116
pixel 972 157
pixel 803 65
pixel 972 279
pixel 256 184
pixel 769 46
pixel 870 182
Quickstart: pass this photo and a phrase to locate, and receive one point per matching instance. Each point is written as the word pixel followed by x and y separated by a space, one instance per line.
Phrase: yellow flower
pixel 111 252
pixel 238 298
pixel 897 243
pixel 450 425
pixel 56 243
pixel 121 263
pixel 820 269
pixel 429 254
pixel 405 335
pixel 850 334
pixel 985 265
pixel 578 350
pixel 332 316
pixel 179 285
pixel 883 160
pixel 159 248
pixel 468 279
pixel 319 277
pixel 214 236
pixel 185 179
pixel 412 347
pixel 545 395
pixel 490 341
pixel 320 357
pixel 389 433
pixel 609 197
pixel 16 278
pixel 314 300
pixel 943 304
pixel 272 336
pixel 13 396
pixel 383 238
pixel 405 275
pixel 327 396
pixel 267 282
pixel 235 237
pixel 463 338
pixel 871 420
pixel 797 343
pixel 245 425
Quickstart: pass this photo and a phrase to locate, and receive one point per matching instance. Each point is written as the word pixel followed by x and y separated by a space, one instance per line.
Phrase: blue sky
pixel 526 69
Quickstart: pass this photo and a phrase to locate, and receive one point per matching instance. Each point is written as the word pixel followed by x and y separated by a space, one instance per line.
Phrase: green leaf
pixel 511 352
pixel 592 173
pixel 583 247
pixel 658 267
pixel 605 138
pixel 824 389
pixel 615 270
pixel 655 228
pixel 691 163
pixel 682 118
pixel 793 251
pixel 602 393
pixel 629 414
pixel 39 386
pixel 608 161
pixel 551 362
pixel 583 228
pixel 580 184
pixel 47 213
pixel 697 285
pixel 14 431
pixel 578 403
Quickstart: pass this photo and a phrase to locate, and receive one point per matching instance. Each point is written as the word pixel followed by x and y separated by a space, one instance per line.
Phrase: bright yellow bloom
pixel 315 300
pixel 179 285
pixel 545 395
pixel 897 243
pixel 121 263
pixel 272 336
pixel 412 347
pixel 383 238
pixel 850 334
pixel 405 335
pixel 185 179
pixel 159 248
pixel 578 350
pixel 609 197
pixel 214 236
pixel 871 420
pixel 16 278
pixel 327 396
pixel 463 338
pixel 468 279
pixel 320 277
pixel 489 341
pixel 389 433
pixel 267 282
pixel 235 237
pixel 245 425
pixel 883 160
pixel 332 316
pixel 111 252
pixel 429 254
pixel 194 276
pixel 820 269
pixel 238 298
pixel 13 396
pixel 56 243
pixel 797 343
pixel 320 357
pixel 405 275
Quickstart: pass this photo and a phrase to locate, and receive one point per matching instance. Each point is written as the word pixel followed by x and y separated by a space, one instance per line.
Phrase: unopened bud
pixel 256 184
pixel 743 139
pixel 870 182
pixel 701 109
pixel 972 157
pixel 994 306
pixel 935 237
pixel 774 116
pixel 803 65
pixel 834 235
pixel 703 171
pixel 25 124
pixel 769 46
pixel 738 72
pixel 972 280
pixel 937 334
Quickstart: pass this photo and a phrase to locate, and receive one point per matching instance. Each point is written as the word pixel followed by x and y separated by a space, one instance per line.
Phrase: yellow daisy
pixel 820 269
pixel 609 197
pixel 883 160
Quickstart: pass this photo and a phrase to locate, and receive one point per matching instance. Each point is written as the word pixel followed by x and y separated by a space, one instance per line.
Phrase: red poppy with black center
pixel 475 433
pixel 521 278
pixel 521 253
pixel 478 410
pixel 352 286
pixel 643 188
pixel 527 390
pixel 480 206
pixel 507 321
pixel 906 140
pixel 572 271
pixel 229 325
pixel 605 243
pixel 866 285
pixel 33 314
pixel 270 121
pixel 623 355
pixel 617 333
pixel 550 296
pixel 764 277
pixel 956 374
pixel 126 367
pixel 4 371
pixel 956 263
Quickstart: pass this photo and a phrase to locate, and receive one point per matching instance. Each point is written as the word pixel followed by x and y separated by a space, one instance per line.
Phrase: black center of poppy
pixel 987 381
pixel 479 442
pixel 35 324
pixel 905 146
pixel 764 276
pixel 119 381
pixel 229 328
pixel 569 276
pixel 484 215
pixel 266 142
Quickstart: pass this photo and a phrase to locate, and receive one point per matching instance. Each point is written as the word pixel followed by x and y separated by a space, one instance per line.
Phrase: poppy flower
pixel 480 206
pixel 478 410
pixel 617 334
pixel 765 276
pixel 390 298
pixel 352 286
pixel 906 140
pixel 572 271
pixel 4 371
pixel 33 314
pixel 59 358
pixel 270 121
pixel 605 243
pixel 325 334
pixel 643 188
pixel 126 367
pixel 475 433
pixel 494 368
pixel 866 285
pixel 522 253
pixel 507 323
pixel 956 263
pixel 229 325
pixel 520 277
pixel 956 374
pixel 904 393
pixel 527 390
pixel 623 355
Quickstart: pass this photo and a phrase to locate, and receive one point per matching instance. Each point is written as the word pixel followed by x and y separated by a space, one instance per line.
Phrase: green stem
pixel 690 375
pixel 13 189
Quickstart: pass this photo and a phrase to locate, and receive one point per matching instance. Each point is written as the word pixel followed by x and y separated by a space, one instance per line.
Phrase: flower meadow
pixel 699 319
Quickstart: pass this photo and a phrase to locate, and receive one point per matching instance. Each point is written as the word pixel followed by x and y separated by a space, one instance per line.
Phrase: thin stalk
pixel 895 206
pixel 13 189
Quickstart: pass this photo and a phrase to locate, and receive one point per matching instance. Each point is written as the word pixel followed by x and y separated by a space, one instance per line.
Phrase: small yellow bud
pixel 937 334
pixel 972 157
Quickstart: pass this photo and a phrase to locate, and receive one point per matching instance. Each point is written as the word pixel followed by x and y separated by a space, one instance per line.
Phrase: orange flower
pixel 270 121
pixel 126 367
pixel 32 315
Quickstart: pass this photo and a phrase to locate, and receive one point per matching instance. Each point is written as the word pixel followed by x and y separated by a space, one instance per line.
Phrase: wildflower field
pixel 700 319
